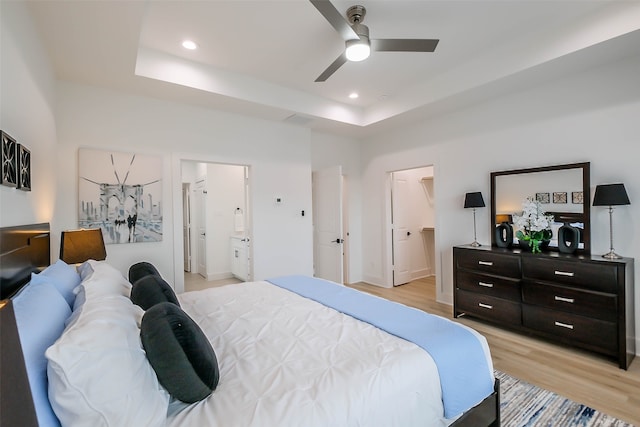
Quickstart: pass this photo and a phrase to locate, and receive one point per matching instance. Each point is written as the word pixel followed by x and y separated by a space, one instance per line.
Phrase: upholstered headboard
pixel 23 250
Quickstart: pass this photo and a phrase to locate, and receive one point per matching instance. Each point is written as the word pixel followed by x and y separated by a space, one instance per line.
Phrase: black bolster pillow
pixel 151 290
pixel 179 352
pixel 140 269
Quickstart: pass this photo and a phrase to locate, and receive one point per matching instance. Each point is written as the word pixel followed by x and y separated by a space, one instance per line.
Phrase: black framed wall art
pixel 24 168
pixel 9 176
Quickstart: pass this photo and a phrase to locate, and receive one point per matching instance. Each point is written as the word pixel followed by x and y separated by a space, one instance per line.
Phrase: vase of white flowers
pixel 534 226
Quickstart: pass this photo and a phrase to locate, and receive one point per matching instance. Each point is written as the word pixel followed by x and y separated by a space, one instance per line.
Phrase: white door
pixel 247 221
pixel 186 225
pixel 327 230
pixel 345 231
pixel 400 201
pixel 201 225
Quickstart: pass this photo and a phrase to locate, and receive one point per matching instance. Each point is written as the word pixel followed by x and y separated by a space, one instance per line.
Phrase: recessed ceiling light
pixel 353 95
pixel 188 44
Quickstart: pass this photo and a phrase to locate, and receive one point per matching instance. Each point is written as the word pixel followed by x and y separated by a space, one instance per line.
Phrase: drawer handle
pixel 486 285
pixel 564 325
pixel 489 263
pixel 490 307
pixel 563 299
pixel 563 273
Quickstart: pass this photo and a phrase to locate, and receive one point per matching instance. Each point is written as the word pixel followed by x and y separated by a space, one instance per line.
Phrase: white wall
pixel 27 98
pixel 330 150
pixel 278 156
pixel 592 116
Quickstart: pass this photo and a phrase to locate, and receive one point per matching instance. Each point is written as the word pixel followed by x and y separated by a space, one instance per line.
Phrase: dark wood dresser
pixel 584 301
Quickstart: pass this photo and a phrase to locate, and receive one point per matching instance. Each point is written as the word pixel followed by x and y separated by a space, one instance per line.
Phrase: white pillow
pixel 104 280
pixel 98 372
pixel 102 269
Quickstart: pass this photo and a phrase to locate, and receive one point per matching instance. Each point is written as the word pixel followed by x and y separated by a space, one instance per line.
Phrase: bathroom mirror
pixel 563 191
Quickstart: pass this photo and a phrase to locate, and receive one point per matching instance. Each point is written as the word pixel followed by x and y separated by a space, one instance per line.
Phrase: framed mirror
pixel 562 190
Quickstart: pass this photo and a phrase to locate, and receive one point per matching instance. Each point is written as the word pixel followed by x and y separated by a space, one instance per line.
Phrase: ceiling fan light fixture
pixel 357 50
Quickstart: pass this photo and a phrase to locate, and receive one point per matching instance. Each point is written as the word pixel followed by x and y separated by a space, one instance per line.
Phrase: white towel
pixel 239 221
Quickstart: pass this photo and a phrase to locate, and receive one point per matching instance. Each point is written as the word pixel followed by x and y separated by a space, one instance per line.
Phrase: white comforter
pixel 288 361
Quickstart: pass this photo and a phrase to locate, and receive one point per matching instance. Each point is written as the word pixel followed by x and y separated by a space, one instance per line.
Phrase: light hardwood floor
pixel 195 282
pixel 581 376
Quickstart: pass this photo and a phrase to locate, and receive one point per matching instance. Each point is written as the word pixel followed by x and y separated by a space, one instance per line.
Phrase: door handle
pixel 338 240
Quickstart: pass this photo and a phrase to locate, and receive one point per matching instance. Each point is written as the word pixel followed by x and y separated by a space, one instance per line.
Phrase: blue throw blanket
pixel 464 374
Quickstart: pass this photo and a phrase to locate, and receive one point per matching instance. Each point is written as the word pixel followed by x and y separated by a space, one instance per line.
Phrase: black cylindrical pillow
pixel 151 290
pixel 140 269
pixel 179 352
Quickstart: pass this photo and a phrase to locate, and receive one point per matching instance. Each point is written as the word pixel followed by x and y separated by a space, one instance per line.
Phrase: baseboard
pixel 374 281
pixel 219 276
pixel 445 299
pixel 419 274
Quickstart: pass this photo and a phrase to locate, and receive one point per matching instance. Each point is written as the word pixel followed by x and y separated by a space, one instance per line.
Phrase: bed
pixel 288 351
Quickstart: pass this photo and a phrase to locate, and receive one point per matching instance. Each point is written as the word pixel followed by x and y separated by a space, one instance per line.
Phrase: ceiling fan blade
pixel 404 45
pixel 339 62
pixel 336 19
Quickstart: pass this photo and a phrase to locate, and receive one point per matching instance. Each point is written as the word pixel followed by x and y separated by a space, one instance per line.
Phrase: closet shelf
pixel 427 184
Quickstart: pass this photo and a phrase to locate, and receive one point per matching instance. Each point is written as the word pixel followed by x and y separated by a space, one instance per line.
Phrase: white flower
pixel 533 217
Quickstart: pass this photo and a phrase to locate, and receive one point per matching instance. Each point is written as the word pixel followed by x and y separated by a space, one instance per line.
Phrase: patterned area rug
pixel 525 405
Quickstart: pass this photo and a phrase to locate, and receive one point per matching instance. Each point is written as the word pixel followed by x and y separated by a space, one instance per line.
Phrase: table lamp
pixel 474 200
pixel 78 246
pixel 611 195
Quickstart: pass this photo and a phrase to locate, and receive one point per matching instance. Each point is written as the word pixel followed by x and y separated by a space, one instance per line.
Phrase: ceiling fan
pixel 356 37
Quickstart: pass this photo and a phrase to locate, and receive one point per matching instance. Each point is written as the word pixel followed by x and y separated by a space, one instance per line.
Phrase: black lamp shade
pixel 473 200
pixel 610 195
pixel 78 246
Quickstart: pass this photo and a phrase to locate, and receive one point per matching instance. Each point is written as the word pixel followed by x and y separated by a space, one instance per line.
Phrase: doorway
pixel 412 224
pixel 199 225
pixel 186 225
pixel 219 215
pixel 330 229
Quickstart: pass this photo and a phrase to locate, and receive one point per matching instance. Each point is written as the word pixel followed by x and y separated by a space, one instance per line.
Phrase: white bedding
pixel 288 361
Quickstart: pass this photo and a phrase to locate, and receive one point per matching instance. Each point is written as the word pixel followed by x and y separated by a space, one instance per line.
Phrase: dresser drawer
pixel 592 333
pixel 586 303
pixel 487 262
pixel 488 307
pixel 596 276
pixel 500 287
